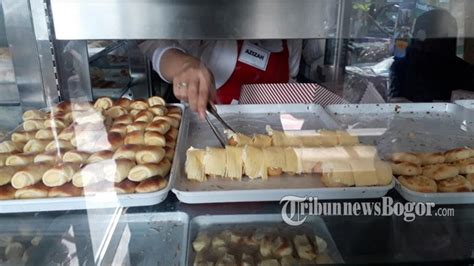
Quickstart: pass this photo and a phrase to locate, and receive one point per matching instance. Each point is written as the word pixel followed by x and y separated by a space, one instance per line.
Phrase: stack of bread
pixel 78 148
pixel 262 156
pixel 450 171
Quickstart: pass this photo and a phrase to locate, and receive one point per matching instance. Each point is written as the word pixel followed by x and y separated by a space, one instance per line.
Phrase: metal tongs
pixel 211 109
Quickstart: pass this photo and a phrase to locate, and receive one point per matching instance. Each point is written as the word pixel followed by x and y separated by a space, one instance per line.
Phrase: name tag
pixel 254 56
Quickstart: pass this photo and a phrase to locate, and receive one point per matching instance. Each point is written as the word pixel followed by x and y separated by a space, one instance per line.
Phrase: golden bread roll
pixel 139 104
pixel 38 190
pixel 65 117
pixel 88 117
pixel 261 141
pixel 45 134
pixel 171 120
pixel 135 137
pixel 238 139
pixel 419 183
pixel 344 138
pixel 281 247
pixel 55 123
pixel 34 124
pixel 29 175
pixel 173 133
pixel 455 184
pixel 137 126
pixel 158 110
pixel 406 169
pixel 103 103
pixel 170 142
pixel 7 192
pixel 364 172
pixel 254 166
pixel 23 136
pixel 154 139
pixel 337 174
pixel 470 178
pixel 124 187
pixel 151 185
pixel 6 174
pixel 303 247
pixel 100 156
pixel 60 174
pixel 119 128
pixel 68 133
pixel 214 162
pixel 90 174
pixel 127 151
pixel 66 190
pixel 123 102
pixel 118 170
pixel 440 171
pixel 234 164
pixel 194 165
pixel 399 157
pixel 175 115
pixel 81 106
pixel 75 156
pixel 144 116
pixel 274 160
pixel 465 166
pixel 169 153
pixel 143 171
pixel 3 158
pixel 292 164
pixel 457 155
pixel 52 156
pixel 161 127
pixel 36 145
pixel 134 112
pixel 63 107
pixel 8 146
pixel 114 141
pixel 150 154
pixel 34 114
pixel 328 138
pixel 174 109
pixel 116 112
pixel 428 158
pixel 59 144
pixel 384 173
pixel 124 120
pixel 155 100
pixel 20 159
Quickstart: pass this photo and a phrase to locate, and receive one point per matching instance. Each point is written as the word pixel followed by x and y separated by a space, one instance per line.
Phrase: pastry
pixel 303 247
pixel 346 139
pixel 337 174
pixel 123 102
pixel 8 146
pixel 75 156
pixel 174 109
pixel 151 185
pixel 158 110
pixel 139 104
pixel 134 112
pixel 144 116
pixel 428 158
pixel 172 133
pixel 144 171
pixel 59 144
pixel 33 124
pixel 328 138
pixel 63 107
pixel 234 164
pixel 440 171
pixel 103 103
pixel 127 151
pixel 170 142
pixel 124 187
pixel 6 174
pixel 60 174
pixel 55 123
pixel 117 170
pixel 419 183
pixel 175 115
pixel 364 172
pixel 254 166
pixel 113 142
pixel 81 106
pixel 34 114
pixel 399 157
pixel 100 156
pixel 457 155
pixel 68 133
pixel 470 178
pixel 88 117
pixel 215 162
pixel 123 119
pixel 274 160
pixel 66 190
pixel 171 120
pixel 20 159
pixel 201 242
pixel 238 139
pixel 119 128
pixel 384 173
pixel 169 153
pixel 194 165
pixel 465 166
pixel 115 112
pixel 23 136
pixel 281 247
pixel 135 137
pixel 261 141
pixel 35 145
pixel 89 174
pixel 52 156
pixel 29 175
pixel 3 158
pixel 45 134
pixel 406 169
pixel 137 126
pixel 161 127
pixel 292 164
pixel 38 190
pixel 7 192
pixel 455 184
pixel 155 100
pixel 154 139
pixel 149 154
pixel 320 244
pixel 266 246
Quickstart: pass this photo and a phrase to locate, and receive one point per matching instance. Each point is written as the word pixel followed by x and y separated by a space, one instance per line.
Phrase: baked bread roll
pixel 3 158
pixel 364 172
pixel 274 160
pixel 60 174
pixel 124 102
pixel 45 134
pixel 169 153
pixel 103 103
pixel 59 144
pixel 124 120
pixel 139 104
pixel 215 162
pixel 116 111
pixel 144 116
pixel 151 185
pixel 135 137
pixel 137 126
pixel 38 190
pixel 158 110
pixel 327 138
pixel 36 145
pixel 150 154
pixel 465 166
pixel 7 192
pixel 29 175
pixel 81 106
pixel 113 142
pixel 134 112
pixel 20 159
pixel 470 178
pixel 23 136
pixel 455 184
pixel 261 141
pixel 119 128
pixel 52 156
pixel 33 124
pixel 161 127
pixel 406 169
pixel 419 183
pixel 34 114
pixel 346 139
pixel 66 190
pixel 55 123
pixel 8 146
pixel 175 115
pixel 428 158
pixel 457 155
pixel 171 120
pixel 144 171
pixel 68 133
pixel 75 156
pixel 304 248
pixel 384 173
pixel 237 139
pixel 173 133
pixel 337 174
pixel 292 164
pixel 100 156
pixel 118 170
pixel 6 174
pixel 440 171
pixel 170 142
pixel 63 107
pixel 194 166
pixel 155 100
pixel 89 174
pixel 408 157
pixel 88 117
pixel 281 247
pixel 254 166
pixel 154 139
pixel 174 109
pixel 234 164
pixel 124 187
pixel 127 151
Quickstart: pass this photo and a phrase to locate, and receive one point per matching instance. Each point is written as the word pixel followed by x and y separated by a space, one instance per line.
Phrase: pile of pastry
pixel 81 148
pixel 260 247
pixel 450 171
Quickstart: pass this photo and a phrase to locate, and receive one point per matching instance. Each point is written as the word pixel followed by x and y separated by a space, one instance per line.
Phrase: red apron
pixel 277 71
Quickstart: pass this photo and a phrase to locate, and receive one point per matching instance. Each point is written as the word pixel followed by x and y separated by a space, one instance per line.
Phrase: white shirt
pixel 219 56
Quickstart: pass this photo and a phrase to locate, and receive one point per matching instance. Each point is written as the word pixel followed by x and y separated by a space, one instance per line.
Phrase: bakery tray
pixel 104 199
pixel 437 198
pixel 313 225
pixel 469 104
pixel 251 119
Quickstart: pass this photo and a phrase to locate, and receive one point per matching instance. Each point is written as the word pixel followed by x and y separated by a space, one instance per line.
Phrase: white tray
pixel 437 198
pixel 100 200
pixel 251 119
pixel 469 104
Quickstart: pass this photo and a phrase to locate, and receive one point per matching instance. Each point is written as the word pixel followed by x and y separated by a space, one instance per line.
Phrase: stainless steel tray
pixel 101 200
pixel 244 223
pixel 252 119
pixel 469 104
pixel 437 198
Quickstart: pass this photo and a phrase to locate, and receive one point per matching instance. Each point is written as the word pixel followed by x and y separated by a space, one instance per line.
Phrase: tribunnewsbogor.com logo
pixel 295 209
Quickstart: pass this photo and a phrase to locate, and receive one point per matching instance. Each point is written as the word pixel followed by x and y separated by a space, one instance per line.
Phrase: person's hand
pixel 194 84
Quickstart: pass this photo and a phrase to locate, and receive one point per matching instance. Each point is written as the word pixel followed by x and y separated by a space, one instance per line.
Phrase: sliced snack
pixel 419 183
pixel 384 173
pixel 337 174
pixel 215 162
pixel 234 163
pixel 364 172
pixel 274 160
pixel 346 139
pixel 194 165
pixel 254 166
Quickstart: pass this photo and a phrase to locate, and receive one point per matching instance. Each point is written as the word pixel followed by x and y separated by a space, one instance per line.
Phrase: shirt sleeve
pixel 155 50
pixel 294 49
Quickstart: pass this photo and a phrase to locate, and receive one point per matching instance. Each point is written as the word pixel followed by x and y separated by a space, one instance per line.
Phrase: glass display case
pixel 249 132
